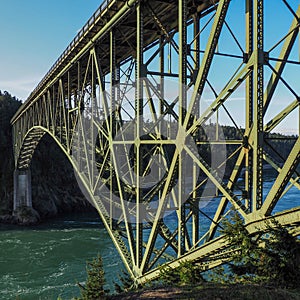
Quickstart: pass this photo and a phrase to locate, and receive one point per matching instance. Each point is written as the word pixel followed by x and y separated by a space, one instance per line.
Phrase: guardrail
pixel 73 44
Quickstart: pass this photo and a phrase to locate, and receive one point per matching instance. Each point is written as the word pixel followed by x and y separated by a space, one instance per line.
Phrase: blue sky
pixel 33 34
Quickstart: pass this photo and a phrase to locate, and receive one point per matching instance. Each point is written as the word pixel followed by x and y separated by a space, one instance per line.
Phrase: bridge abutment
pixel 22 189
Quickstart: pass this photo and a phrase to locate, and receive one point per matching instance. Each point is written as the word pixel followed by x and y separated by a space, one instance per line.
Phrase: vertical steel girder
pixel 109 109
pixel 249 96
pixel 258 91
pixel 182 28
pixel 139 114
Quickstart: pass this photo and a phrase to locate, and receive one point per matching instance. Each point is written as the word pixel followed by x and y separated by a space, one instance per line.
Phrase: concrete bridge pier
pixel 22 189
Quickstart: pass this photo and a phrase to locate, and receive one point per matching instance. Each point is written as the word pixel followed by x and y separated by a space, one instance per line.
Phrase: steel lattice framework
pixel 108 99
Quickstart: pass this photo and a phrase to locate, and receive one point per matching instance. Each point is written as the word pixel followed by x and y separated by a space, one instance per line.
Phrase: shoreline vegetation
pixel 54 186
pixel 263 266
pixel 269 272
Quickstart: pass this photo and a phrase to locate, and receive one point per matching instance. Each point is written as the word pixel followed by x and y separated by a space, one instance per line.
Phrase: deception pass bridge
pixel 167 111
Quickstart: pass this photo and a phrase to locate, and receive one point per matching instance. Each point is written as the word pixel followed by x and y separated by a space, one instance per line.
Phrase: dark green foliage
pixel 186 273
pixel 273 257
pixel 94 286
pixel 54 187
pixel 126 283
pixel 246 259
pixel 280 261
pixel 8 106
pixel 278 146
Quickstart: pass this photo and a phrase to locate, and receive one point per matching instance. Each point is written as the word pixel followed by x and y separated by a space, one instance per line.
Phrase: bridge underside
pixel 139 102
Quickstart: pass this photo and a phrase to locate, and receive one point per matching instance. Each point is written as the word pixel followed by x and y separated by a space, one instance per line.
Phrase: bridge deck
pixel 111 132
pixel 96 31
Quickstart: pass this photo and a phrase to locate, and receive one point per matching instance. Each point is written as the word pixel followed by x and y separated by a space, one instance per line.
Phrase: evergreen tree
pixel 186 273
pixel 280 261
pixel 8 107
pixel 125 284
pixel 245 259
pixel 94 286
pixel 271 257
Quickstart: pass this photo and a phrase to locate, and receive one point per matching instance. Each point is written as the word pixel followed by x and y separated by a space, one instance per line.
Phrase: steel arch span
pixel 168 111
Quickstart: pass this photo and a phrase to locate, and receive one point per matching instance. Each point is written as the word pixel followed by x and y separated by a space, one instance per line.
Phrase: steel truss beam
pixel 139 146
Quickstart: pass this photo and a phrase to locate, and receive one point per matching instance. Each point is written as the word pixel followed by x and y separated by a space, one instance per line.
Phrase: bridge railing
pixel 75 41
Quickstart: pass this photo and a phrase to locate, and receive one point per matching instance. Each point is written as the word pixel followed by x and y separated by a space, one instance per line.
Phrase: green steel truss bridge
pixel 137 102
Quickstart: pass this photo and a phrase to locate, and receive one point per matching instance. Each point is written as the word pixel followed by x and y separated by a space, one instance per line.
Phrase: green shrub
pixel 186 273
pixel 271 257
pixel 126 283
pixel 94 286
pixel 280 259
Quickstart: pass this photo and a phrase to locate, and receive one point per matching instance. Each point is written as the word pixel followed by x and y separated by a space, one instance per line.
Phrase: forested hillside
pixel 54 187
pixel 8 107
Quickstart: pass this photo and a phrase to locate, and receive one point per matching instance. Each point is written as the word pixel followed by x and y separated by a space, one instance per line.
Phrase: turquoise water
pixel 47 261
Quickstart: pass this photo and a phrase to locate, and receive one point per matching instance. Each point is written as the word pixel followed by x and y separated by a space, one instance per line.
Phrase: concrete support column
pixel 22 189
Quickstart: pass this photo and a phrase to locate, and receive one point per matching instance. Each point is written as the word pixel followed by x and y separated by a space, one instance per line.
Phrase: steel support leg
pixel 139 117
pixel 258 88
